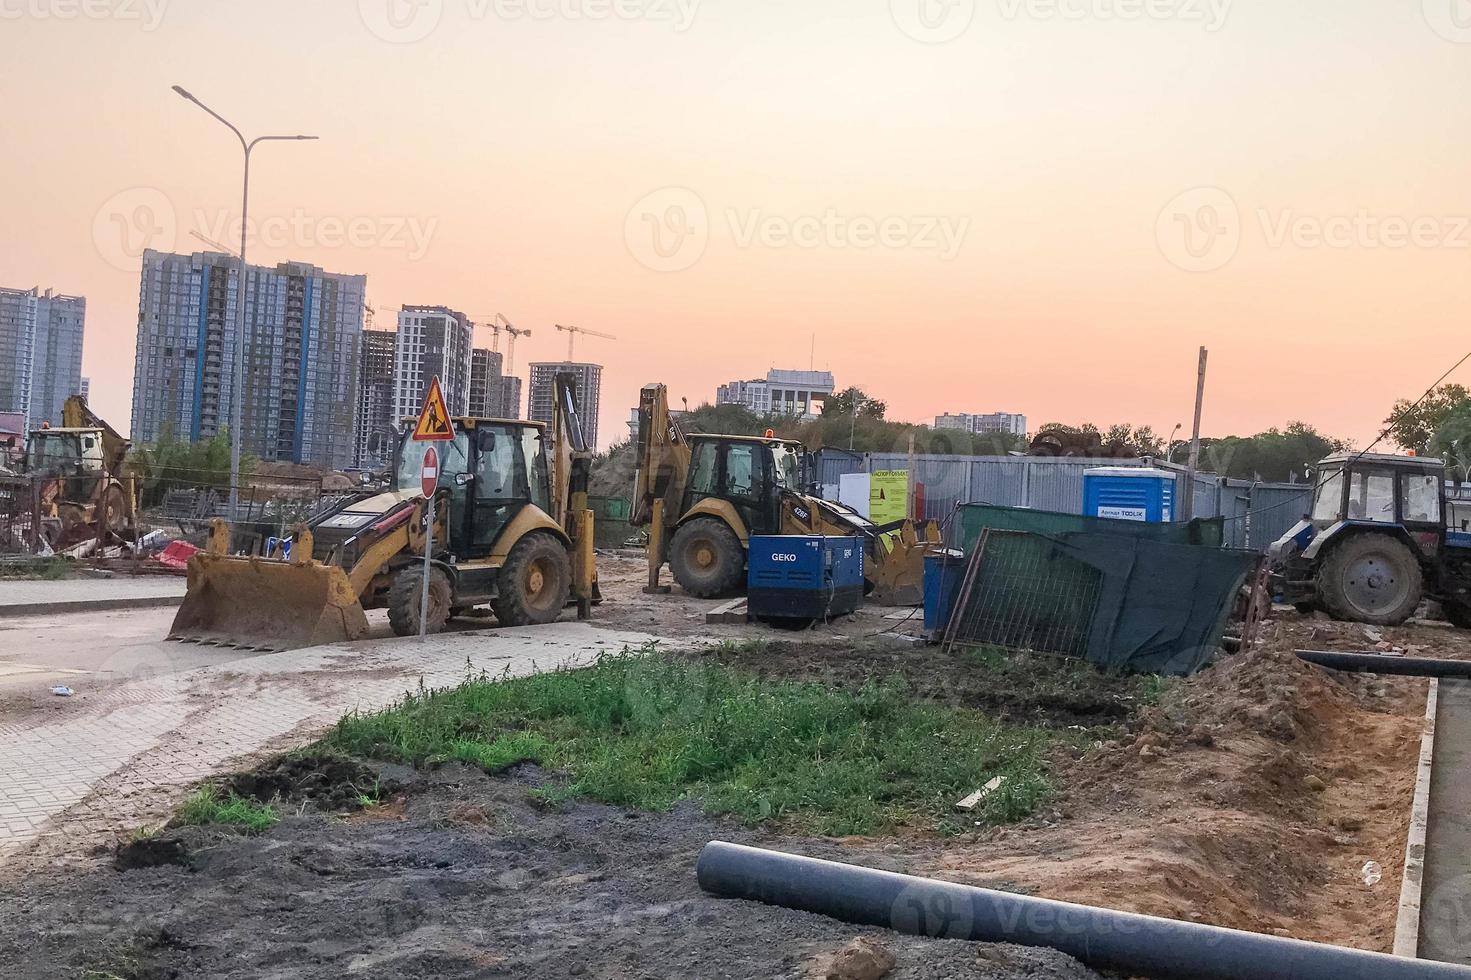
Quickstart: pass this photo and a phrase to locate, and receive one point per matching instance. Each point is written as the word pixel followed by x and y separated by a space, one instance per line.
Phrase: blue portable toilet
pixel 1129 493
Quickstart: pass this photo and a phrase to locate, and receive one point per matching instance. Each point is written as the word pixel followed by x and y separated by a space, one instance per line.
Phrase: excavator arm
pixel 571 468
pixel 663 459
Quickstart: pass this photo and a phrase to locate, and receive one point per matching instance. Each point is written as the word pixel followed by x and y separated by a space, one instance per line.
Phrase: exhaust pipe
pixel 1136 945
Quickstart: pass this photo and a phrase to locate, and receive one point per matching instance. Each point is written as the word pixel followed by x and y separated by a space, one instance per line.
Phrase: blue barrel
pixel 943 573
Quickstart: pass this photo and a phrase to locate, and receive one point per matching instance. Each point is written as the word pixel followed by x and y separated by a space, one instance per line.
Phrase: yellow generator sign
pixel 888 496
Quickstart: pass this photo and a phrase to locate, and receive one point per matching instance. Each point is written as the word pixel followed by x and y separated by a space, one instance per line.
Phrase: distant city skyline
pixel 1083 270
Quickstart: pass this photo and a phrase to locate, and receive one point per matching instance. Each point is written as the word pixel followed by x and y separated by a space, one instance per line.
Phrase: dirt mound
pixel 1250 796
pixel 519 891
pixel 150 852
pixel 327 782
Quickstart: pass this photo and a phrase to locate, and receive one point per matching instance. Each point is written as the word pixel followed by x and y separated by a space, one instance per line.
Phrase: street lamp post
pixel 237 410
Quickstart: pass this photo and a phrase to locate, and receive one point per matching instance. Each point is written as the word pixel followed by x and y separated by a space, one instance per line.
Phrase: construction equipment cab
pixel 704 495
pixel 511 531
pixel 1375 543
pixel 82 466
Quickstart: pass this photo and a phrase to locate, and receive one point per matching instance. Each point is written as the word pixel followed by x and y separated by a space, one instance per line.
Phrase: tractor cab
pixel 1373 543
pixel 491 469
pixel 748 472
pixel 1403 491
pixel 72 456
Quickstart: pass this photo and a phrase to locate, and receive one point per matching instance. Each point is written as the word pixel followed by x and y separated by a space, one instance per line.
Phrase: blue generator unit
pixel 795 579
pixel 1129 493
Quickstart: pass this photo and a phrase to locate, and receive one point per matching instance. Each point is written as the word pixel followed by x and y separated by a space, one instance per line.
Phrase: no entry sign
pixel 429 473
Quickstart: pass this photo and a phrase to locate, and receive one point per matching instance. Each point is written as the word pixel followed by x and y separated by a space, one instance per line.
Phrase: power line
pixel 1362 453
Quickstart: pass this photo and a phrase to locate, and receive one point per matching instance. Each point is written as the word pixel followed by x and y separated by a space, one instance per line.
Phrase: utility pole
pixel 237 383
pixel 1187 508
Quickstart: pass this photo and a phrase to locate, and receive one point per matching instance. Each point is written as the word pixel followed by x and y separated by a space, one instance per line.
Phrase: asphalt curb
pixel 87 605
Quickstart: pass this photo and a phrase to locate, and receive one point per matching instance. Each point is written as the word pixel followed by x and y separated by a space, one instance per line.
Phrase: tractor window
pixel 1421 502
pixel 787 467
pixel 453 458
pixel 740 470
pixel 702 469
pixel 532 446
pixel 1329 499
pixel 1371 496
pixel 495 466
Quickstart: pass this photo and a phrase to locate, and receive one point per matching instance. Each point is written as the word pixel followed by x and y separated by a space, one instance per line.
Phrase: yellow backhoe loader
pixel 702 496
pixel 84 477
pixel 512 531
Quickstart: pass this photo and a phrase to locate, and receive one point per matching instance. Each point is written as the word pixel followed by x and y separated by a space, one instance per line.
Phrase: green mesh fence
pixel 1123 600
pixel 1026 594
pixel 973 518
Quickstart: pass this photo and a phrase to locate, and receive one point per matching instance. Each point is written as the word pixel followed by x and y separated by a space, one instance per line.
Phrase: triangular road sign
pixel 434 424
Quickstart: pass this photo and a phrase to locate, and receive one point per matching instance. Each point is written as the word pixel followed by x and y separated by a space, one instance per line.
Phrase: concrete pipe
pixel 1137 945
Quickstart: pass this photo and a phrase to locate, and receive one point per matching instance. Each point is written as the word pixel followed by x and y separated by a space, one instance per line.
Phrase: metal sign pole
pixel 428 551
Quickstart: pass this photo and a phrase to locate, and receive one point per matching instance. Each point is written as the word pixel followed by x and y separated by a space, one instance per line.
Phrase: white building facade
pixel 799 394
pixel 980 424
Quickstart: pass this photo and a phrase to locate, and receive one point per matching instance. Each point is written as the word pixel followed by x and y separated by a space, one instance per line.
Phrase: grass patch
pixel 45 569
pixel 647 731
pixel 210 806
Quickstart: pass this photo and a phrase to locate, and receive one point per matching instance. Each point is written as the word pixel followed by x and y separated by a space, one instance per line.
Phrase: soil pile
pixel 1251 796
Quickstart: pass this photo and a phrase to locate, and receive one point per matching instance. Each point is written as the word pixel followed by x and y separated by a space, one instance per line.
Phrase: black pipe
pixel 1138 945
pixel 1378 664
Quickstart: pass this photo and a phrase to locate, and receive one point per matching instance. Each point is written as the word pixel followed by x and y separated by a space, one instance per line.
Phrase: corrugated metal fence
pixel 1255 514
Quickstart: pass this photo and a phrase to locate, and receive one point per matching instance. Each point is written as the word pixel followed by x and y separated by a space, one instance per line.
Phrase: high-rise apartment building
pixel 432 341
pixel 781 392
pixel 511 401
pixel 377 428
pixel 487 395
pixel 588 381
pixel 302 331
pixel 40 352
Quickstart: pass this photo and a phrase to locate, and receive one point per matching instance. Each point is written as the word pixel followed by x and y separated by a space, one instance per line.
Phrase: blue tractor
pixel 1378 540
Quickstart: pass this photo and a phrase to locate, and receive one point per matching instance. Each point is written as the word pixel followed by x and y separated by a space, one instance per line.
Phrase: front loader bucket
pixel 267 604
pixel 896 569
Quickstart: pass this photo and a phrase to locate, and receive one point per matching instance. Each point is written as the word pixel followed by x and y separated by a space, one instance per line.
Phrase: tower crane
pixel 495 322
pixel 572 333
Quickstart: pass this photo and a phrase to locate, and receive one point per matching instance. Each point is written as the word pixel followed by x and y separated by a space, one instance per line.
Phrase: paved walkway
pixel 81 770
pixel 25 597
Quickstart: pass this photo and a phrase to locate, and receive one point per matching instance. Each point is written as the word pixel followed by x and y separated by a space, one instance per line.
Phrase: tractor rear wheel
pixel 534 583
pixel 1370 578
pixel 406 597
pixel 706 558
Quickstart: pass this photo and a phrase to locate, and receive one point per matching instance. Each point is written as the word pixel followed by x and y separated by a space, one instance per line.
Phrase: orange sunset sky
pixel 1041 207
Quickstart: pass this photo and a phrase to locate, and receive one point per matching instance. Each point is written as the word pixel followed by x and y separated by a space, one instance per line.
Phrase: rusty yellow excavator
pixel 512 531
pixel 702 496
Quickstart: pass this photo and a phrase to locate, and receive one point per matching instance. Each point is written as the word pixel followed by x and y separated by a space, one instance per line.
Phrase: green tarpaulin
pixel 1122 599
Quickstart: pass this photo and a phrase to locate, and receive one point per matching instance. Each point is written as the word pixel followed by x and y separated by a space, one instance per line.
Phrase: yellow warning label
pixel 434 424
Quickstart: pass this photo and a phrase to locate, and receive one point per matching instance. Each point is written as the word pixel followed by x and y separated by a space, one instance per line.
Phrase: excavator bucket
pixel 255 603
pixel 896 568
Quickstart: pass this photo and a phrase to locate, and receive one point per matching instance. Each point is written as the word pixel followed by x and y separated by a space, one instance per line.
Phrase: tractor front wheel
pixel 706 558
pixel 406 598
pixel 534 583
pixel 1370 578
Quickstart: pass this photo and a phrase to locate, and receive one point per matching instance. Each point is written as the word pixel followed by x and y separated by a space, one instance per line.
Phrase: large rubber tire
pixel 706 558
pixel 406 595
pixel 115 509
pixel 534 583
pixel 1370 578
